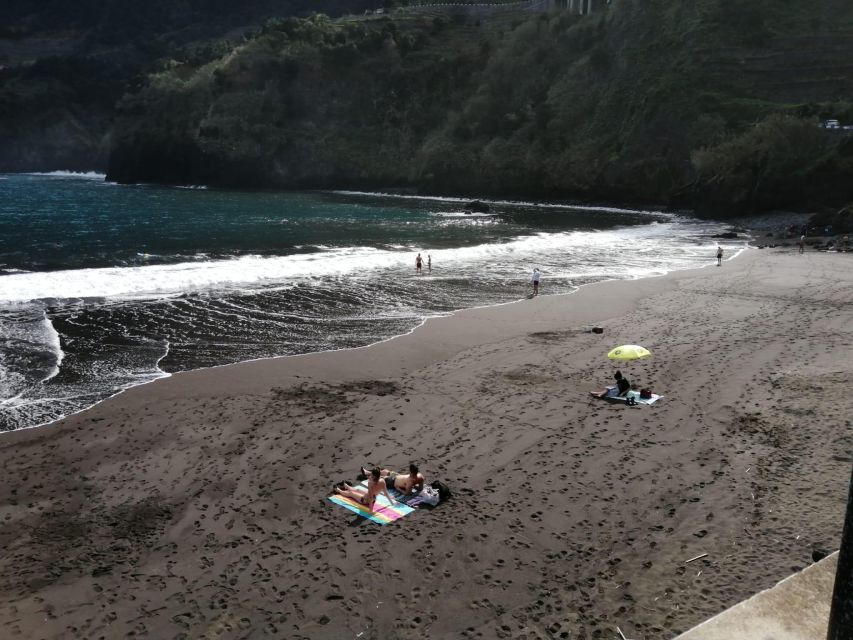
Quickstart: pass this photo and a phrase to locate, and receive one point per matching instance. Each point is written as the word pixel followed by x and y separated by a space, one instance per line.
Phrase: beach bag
pixel 443 490
pixel 645 394
pixel 429 496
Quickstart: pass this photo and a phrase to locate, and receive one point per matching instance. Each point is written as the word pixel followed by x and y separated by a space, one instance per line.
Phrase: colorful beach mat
pixel 384 512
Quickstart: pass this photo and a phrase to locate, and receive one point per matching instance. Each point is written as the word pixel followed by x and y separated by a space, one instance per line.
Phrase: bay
pixel 106 286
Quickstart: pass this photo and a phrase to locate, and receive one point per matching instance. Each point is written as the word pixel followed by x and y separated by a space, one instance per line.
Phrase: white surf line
pixel 422 321
pixel 83 175
pixel 513 203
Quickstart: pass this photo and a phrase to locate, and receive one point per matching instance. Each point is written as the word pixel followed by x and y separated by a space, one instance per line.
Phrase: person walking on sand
pixel 802 244
pixel 719 255
pixel 429 263
pixel 419 264
pixel 535 279
pixel 375 485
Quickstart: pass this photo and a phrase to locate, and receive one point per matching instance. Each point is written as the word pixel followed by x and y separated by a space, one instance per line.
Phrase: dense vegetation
pixel 706 103
pixel 714 103
pixel 64 65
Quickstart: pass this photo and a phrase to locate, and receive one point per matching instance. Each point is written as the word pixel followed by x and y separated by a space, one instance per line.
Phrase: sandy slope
pixel 195 506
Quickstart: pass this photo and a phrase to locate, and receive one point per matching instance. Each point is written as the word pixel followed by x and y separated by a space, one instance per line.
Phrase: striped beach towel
pixel 383 513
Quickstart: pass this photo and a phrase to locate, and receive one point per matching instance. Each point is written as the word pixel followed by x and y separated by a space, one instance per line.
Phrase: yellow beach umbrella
pixel 629 352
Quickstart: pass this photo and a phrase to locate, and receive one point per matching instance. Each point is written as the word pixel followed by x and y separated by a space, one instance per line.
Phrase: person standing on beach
pixel 429 263
pixel 802 244
pixel 719 255
pixel 419 263
pixel 535 279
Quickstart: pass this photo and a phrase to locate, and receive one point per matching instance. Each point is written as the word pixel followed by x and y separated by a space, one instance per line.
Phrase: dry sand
pixel 194 507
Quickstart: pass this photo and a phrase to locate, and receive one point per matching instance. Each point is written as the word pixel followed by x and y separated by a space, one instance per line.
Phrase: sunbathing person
pixel 375 485
pixel 405 484
pixel 622 387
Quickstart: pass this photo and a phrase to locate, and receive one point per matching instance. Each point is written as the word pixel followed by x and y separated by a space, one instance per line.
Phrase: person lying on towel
pixel 375 485
pixel 622 387
pixel 406 484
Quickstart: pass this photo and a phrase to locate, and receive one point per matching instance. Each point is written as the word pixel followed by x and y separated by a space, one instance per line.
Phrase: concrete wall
pixel 795 609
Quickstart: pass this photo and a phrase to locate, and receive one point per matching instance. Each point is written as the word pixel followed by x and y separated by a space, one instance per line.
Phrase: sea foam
pixel 53 342
pixel 625 250
pixel 82 175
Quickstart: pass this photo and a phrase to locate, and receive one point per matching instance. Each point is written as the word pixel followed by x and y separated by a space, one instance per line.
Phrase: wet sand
pixel 195 506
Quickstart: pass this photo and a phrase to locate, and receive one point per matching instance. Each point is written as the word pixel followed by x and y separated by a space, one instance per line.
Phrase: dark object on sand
pixel 819 554
pixel 477 206
pixel 728 235
pixel 443 490
pixel 597 330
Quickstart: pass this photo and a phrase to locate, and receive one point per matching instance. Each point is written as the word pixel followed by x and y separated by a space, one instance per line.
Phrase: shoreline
pixel 198 505
pixel 48 404
pixel 167 374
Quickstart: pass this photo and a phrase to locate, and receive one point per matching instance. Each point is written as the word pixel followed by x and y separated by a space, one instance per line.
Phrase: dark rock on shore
pixel 833 222
pixel 477 206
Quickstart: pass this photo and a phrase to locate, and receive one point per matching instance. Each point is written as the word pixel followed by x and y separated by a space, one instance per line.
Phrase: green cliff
pixel 707 103
pixel 713 104
pixel 64 65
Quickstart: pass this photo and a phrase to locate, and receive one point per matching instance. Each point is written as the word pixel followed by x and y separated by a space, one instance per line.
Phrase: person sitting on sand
pixel 375 485
pixel 622 384
pixel 405 484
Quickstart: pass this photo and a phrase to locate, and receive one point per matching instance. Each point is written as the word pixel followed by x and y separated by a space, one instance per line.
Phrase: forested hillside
pixel 63 65
pixel 708 103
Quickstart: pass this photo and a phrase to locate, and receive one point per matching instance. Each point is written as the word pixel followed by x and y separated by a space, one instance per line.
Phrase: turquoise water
pixel 105 286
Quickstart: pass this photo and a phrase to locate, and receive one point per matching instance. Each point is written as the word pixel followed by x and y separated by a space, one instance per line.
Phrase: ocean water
pixel 105 286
